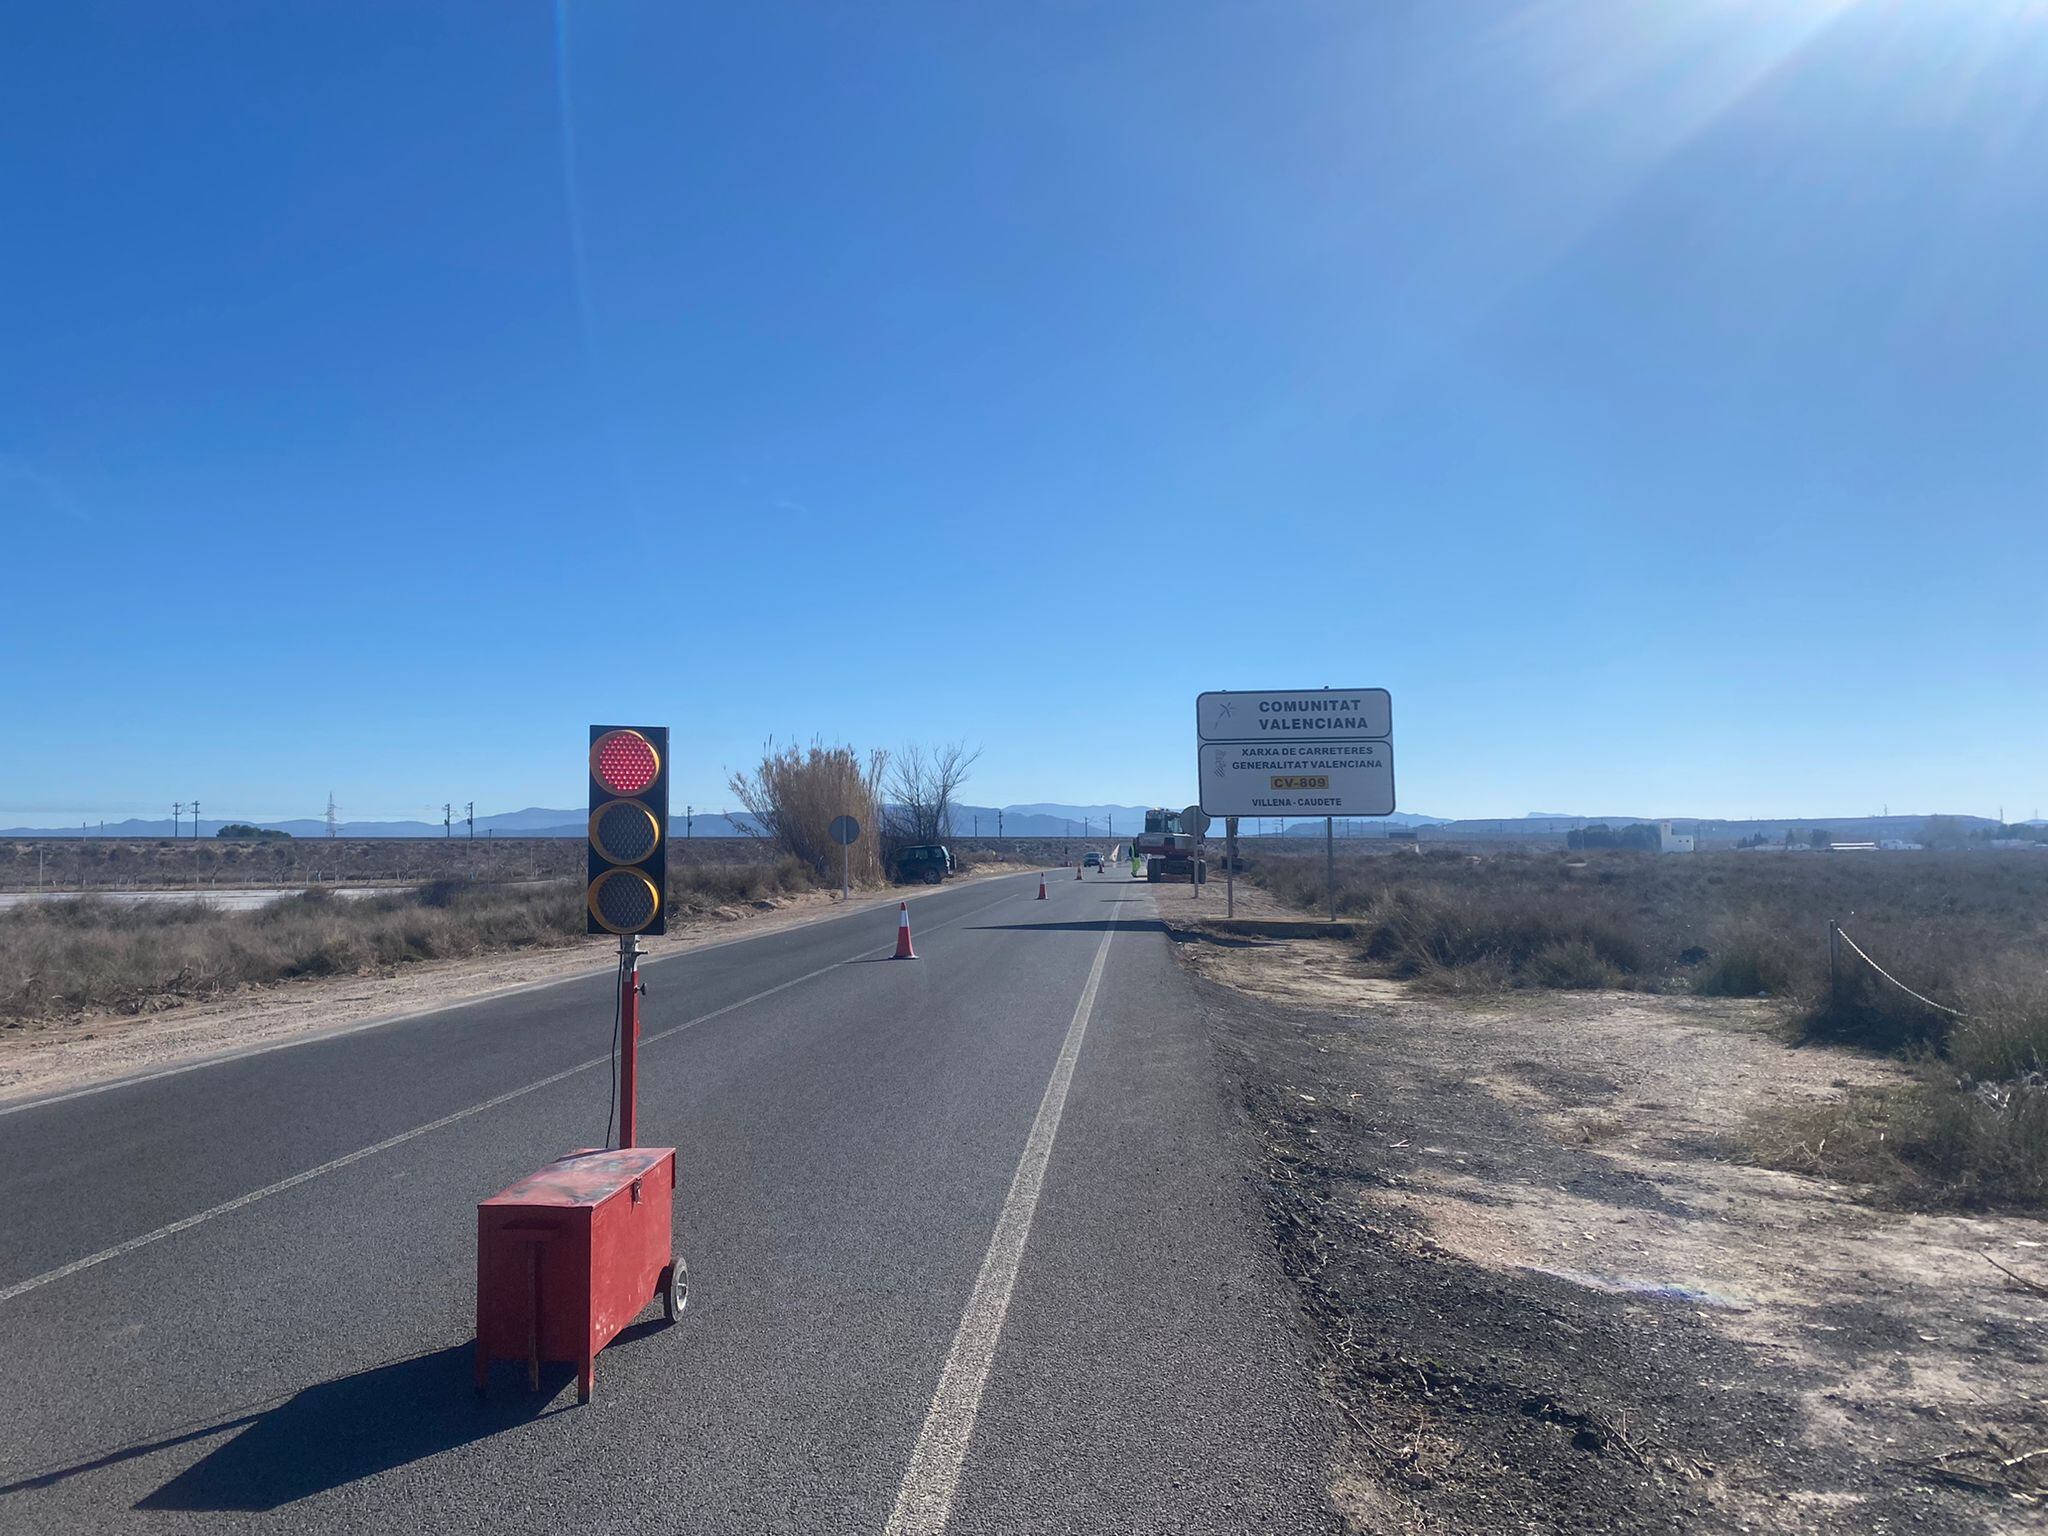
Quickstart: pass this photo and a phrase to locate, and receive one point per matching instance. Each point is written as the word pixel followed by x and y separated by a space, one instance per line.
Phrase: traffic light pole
pixel 629 1038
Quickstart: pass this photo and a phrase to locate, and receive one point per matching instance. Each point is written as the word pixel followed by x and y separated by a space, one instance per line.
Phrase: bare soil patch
pixel 1550 1299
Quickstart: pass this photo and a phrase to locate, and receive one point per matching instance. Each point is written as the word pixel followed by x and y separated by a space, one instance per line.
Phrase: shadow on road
pixel 354 1427
pixel 1128 925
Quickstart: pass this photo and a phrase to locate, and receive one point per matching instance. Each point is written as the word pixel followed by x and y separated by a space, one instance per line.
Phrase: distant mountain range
pixel 1050 819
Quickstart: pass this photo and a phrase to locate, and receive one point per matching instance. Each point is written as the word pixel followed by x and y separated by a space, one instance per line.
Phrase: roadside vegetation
pixel 95 955
pixel 902 799
pixel 116 863
pixel 1965 937
pixel 796 793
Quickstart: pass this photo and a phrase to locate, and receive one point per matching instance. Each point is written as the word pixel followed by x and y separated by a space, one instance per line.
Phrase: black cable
pixel 618 1001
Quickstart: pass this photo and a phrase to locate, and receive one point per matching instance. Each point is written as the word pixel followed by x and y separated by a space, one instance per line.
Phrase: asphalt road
pixel 969 1242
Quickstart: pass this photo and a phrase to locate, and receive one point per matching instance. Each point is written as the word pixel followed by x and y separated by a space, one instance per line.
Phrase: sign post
pixel 1330 862
pixel 1195 822
pixel 1230 866
pixel 845 832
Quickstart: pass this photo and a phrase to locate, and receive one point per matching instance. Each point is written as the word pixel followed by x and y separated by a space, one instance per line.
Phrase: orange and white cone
pixel 1041 887
pixel 1077 871
pixel 903 949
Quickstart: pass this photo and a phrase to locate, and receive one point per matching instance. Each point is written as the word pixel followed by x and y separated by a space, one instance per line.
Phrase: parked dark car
pixel 928 862
pixel 1091 860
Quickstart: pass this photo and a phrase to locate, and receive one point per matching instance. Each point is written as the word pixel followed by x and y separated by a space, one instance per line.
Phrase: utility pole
pixel 689 816
pixel 333 817
pixel 447 820
pixel 195 820
pixel 470 810
pixel 999 826
pixel 177 818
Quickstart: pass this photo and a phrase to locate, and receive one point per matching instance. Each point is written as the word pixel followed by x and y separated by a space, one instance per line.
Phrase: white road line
pixel 313 1036
pixel 34 1282
pixel 925 1501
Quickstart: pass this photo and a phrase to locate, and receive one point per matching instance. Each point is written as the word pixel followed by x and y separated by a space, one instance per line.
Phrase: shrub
pixel 1725 924
pixel 1744 957
pixel 2003 1035
pixel 1933 1141
pixel 89 953
pixel 795 794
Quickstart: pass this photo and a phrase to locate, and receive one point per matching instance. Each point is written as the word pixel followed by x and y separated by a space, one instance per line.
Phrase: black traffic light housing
pixel 626 887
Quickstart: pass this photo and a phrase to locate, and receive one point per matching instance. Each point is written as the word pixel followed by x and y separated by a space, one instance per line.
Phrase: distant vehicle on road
pixel 928 862
pixel 1091 860
pixel 1168 849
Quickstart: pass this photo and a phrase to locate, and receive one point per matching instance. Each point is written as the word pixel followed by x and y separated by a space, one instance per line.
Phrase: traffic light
pixel 627 887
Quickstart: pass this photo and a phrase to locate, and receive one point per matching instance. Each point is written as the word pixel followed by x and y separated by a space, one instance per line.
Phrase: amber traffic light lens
pixel 624 762
pixel 624 831
pixel 624 900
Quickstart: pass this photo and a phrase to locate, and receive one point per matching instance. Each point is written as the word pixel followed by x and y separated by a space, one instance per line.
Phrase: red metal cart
pixel 569 1255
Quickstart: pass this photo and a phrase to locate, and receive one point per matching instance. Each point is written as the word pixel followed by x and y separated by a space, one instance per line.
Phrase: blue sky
pixel 1652 397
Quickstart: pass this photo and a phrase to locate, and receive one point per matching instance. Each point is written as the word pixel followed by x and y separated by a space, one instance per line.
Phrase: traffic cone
pixel 1077 871
pixel 1041 887
pixel 903 949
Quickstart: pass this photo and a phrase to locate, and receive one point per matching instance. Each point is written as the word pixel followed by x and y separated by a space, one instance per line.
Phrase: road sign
pixel 1323 778
pixel 626 889
pixel 1306 714
pixel 1193 822
pixel 845 831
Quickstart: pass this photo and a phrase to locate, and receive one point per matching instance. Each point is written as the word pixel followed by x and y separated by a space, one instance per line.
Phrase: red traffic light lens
pixel 623 901
pixel 624 762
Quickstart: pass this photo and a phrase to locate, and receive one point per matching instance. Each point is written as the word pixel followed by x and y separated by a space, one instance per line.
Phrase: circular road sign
pixel 1194 822
pixel 845 831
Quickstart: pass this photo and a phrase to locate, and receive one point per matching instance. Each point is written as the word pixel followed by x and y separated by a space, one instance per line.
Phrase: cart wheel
pixel 675 1288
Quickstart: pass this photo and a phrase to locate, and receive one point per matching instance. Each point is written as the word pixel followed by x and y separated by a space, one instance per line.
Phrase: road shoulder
pixel 1153 1373
pixel 1549 1297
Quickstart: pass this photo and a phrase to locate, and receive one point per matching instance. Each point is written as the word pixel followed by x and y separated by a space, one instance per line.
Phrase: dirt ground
pixel 1549 1297
pixel 50 1056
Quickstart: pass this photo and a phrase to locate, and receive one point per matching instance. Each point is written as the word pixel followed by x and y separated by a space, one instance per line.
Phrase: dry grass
pixel 798 792
pixel 113 863
pixel 1729 924
pixel 91 954
pixel 1936 1141
pixel 1969 931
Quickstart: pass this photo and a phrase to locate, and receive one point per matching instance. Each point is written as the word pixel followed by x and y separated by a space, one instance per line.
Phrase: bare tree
pixel 923 784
